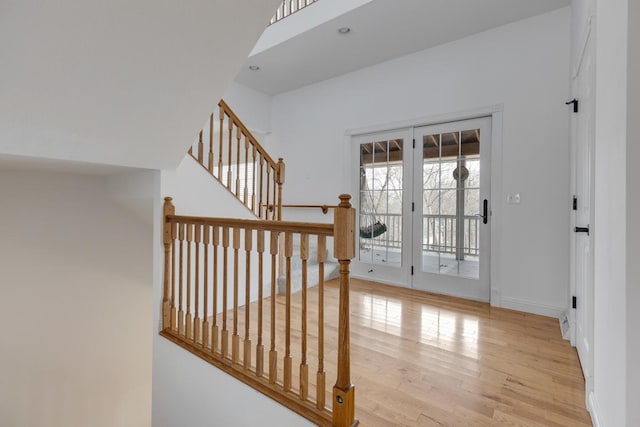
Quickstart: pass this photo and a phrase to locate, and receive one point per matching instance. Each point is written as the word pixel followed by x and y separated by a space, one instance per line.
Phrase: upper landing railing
pixel 219 306
pixel 289 7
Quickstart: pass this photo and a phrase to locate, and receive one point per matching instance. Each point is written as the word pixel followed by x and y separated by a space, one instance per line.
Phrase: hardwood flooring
pixel 420 359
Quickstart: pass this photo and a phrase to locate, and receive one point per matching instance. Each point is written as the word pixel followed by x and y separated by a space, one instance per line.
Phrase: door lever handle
pixel 582 230
pixel 485 211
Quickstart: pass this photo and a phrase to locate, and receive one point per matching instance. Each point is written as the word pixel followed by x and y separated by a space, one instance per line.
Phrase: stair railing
pixel 234 157
pixel 289 7
pixel 208 311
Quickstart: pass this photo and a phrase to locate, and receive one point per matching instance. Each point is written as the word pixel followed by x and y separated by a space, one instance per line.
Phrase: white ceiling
pixel 118 82
pixel 380 30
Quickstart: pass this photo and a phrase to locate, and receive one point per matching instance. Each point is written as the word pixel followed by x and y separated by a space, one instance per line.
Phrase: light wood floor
pixel 419 359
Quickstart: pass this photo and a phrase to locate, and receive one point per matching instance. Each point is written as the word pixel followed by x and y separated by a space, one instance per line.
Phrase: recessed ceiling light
pixel 344 30
pixel 254 67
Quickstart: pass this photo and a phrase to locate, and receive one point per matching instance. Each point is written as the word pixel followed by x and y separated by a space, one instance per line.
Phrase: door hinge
pixel 413 207
pixel 573 102
pixel 575 203
pixel 412 270
pixel 414 143
pixel 574 302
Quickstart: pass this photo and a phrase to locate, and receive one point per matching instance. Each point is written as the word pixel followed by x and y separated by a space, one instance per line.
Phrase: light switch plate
pixel 513 198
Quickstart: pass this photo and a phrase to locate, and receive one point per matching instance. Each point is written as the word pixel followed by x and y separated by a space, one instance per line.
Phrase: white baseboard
pixel 531 307
pixel 592 407
pixel 379 280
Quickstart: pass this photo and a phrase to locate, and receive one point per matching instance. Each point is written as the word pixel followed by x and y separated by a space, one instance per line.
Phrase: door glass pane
pixel 381 184
pixel 451 203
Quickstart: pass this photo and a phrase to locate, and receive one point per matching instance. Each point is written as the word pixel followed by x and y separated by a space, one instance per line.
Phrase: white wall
pixel 525 67
pixel 633 213
pixel 252 107
pixel 187 390
pixel 75 278
pixel 610 350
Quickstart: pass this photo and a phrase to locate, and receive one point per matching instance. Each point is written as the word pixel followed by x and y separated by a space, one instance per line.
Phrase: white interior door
pixel 451 211
pixel 583 219
pixel 383 178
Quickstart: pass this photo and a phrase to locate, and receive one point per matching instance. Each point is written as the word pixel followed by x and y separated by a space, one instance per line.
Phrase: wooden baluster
pixel 200 149
pixel 273 354
pixel 274 214
pixel 260 212
pixel 189 318
pixel 214 311
pixel 221 118
pixel 246 171
pixel 174 314
pixel 225 332
pixel 304 368
pixel 238 158
pixel 253 181
pixel 268 187
pixel 248 234
pixel 180 280
pixel 344 251
pixel 229 174
pixel 168 209
pixel 235 345
pixel 205 283
pixel 210 157
pixel 288 252
pixel 196 321
pixel 280 182
pixel 281 271
pixel 321 380
pixel 259 345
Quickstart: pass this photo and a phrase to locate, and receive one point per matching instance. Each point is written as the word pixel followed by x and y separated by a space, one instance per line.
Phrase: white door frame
pixel 496 113
pixel 585 301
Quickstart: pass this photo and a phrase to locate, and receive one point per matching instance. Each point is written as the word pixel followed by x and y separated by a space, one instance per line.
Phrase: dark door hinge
pixel 413 206
pixel 582 230
pixel 412 270
pixel 414 143
pixel 574 302
pixel 575 203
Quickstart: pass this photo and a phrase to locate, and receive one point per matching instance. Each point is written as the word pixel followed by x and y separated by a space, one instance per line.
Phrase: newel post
pixel 344 250
pixel 168 209
pixel 280 181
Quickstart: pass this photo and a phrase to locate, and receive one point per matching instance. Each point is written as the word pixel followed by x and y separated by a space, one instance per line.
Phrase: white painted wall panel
pixel 76 274
pixel 525 67
pixel 610 353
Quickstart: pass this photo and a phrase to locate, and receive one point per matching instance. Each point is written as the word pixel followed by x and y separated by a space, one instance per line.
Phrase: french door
pixel 451 211
pixel 383 176
pixel 424 212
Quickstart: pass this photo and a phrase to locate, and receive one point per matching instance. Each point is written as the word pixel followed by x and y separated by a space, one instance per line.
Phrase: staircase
pixel 237 292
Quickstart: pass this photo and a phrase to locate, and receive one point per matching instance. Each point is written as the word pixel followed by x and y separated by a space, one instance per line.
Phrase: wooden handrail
pixel 252 224
pixel 243 165
pixel 324 208
pixel 224 336
pixel 288 8
pixel 236 120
